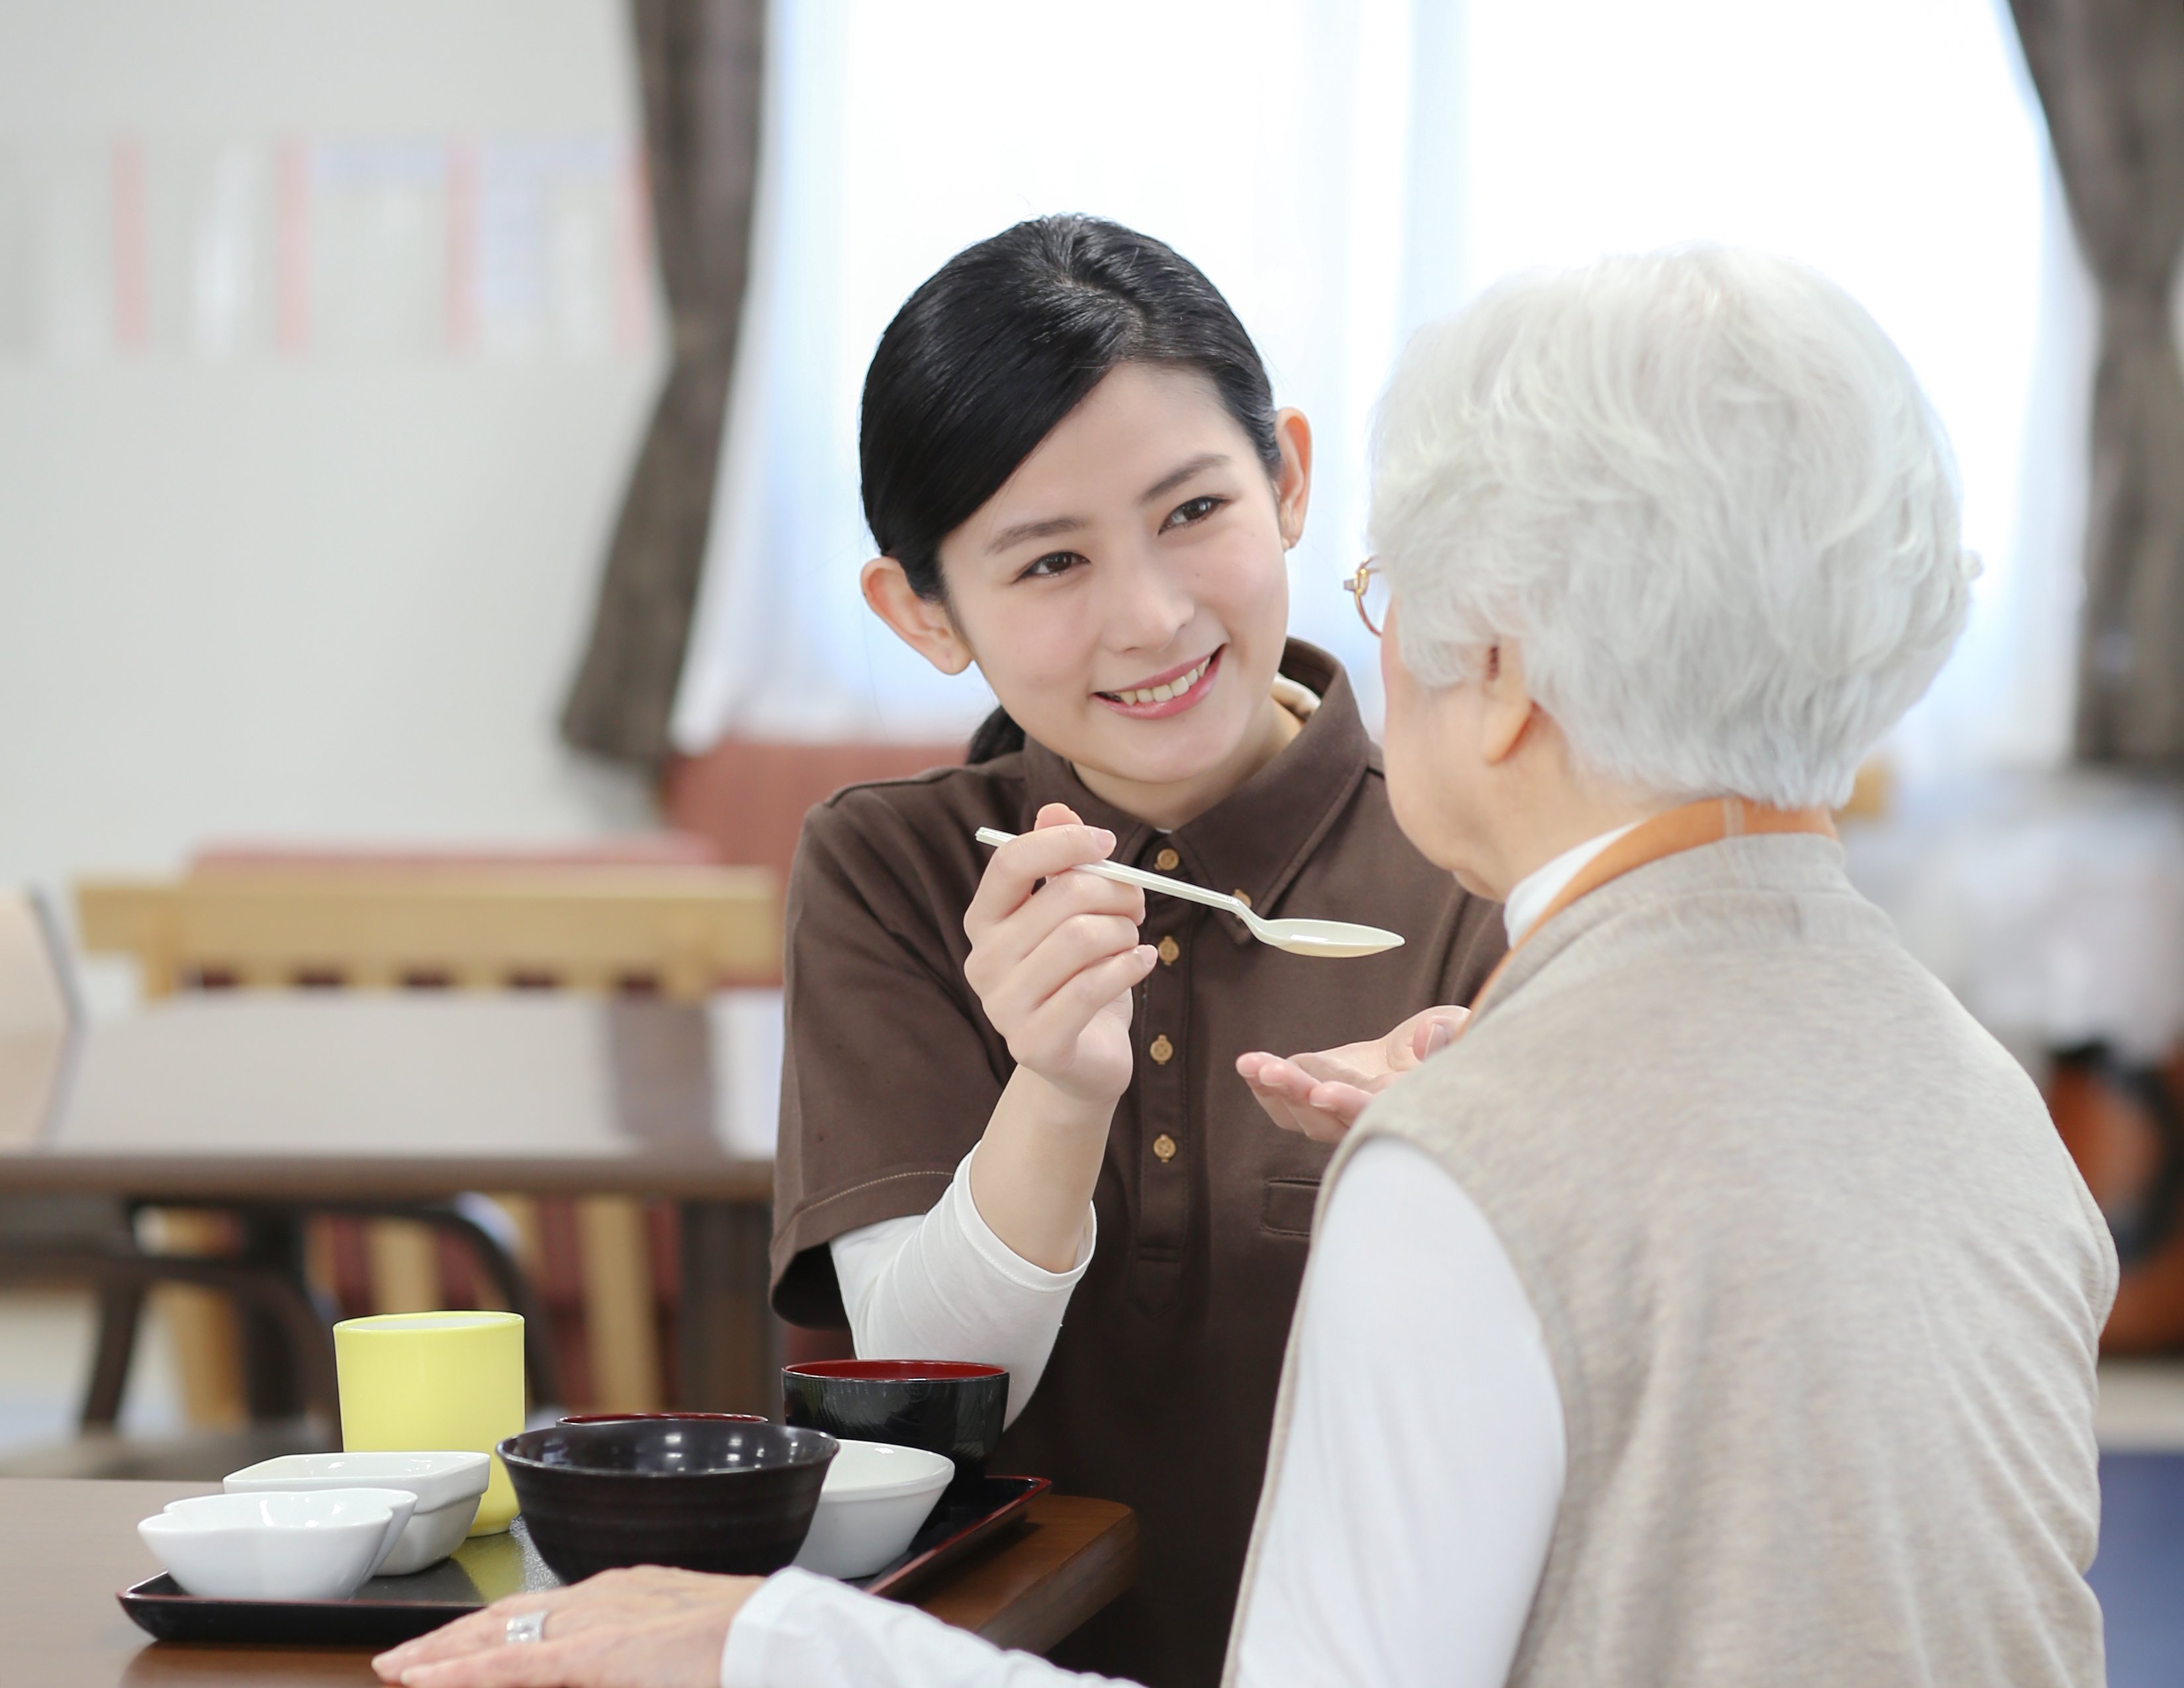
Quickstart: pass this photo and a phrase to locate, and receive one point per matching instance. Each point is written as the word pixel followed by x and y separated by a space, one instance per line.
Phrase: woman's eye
pixel 1053 563
pixel 1193 510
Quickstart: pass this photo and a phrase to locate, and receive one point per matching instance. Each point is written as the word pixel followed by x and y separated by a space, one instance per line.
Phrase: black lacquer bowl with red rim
pixel 705 1494
pixel 949 1406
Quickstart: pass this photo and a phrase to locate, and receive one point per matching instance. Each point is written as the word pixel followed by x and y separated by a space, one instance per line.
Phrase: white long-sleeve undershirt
pixel 940 1285
pixel 1413 1508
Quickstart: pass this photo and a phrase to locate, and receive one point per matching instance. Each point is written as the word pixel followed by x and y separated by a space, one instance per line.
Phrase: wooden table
pixel 241 1098
pixel 67 1547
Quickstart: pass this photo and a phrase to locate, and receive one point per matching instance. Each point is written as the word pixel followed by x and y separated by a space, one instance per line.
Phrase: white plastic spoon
pixel 1298 937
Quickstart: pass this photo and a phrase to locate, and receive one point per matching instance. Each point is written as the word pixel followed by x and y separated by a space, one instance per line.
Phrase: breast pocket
pixel 1287 1211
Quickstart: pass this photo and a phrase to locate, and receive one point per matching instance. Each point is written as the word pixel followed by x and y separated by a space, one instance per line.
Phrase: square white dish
pixel 447 1487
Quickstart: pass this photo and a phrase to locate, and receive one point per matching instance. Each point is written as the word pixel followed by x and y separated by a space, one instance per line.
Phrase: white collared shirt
pixel 1532 895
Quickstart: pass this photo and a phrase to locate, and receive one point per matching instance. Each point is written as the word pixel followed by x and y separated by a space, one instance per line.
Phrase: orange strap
pixel 1670 832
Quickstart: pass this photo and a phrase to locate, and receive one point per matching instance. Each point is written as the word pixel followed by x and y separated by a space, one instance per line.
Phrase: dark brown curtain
pixel 2110 74
pixel 702 64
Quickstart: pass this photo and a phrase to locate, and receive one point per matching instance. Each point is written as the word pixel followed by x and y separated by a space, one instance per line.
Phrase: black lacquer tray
pixel 387 1610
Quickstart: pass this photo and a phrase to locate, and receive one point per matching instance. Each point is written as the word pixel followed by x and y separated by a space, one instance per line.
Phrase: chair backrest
pixel 38 1011
pixel 748 796
pixel 682 931
pixel 37 989
pixel 261 920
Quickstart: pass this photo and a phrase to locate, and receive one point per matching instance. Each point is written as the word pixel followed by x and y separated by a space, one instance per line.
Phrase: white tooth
pixel 1162 694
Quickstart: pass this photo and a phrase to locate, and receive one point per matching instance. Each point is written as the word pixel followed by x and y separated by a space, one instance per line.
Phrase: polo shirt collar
pixel 1257 839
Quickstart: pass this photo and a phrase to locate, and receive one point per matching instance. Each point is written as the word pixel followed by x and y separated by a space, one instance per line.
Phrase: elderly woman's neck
pixel 1551 819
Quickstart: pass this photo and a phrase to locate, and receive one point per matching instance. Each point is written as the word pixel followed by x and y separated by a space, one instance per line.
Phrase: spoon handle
pixel 1137 875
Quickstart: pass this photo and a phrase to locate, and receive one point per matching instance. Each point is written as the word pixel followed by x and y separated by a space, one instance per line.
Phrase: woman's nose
pixel 1147 606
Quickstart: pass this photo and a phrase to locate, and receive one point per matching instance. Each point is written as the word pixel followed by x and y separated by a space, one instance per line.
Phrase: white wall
pixel 309 596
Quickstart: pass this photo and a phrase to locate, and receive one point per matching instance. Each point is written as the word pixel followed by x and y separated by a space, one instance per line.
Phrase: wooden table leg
pixel 730 1342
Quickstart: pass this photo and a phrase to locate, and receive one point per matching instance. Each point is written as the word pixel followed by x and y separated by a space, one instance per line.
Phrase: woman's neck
pixel 1171 803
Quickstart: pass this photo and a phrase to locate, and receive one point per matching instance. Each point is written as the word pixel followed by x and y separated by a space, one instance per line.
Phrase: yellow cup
pixel 429 1382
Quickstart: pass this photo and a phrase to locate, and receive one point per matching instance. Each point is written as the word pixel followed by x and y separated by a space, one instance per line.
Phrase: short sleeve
pixel 889 1069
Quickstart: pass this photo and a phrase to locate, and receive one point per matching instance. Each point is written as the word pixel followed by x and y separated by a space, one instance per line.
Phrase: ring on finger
pixel 527 1626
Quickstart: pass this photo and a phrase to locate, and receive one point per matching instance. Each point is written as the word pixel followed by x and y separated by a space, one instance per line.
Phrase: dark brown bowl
pixel 705 1494
pixel 947 1406
pixel 624 1418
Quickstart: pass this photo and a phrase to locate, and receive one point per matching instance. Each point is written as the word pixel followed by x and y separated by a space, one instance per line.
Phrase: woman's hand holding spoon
pixel 1054 957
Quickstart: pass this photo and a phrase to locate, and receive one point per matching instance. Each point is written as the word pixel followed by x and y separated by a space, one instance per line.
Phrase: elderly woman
pixel 1720 1307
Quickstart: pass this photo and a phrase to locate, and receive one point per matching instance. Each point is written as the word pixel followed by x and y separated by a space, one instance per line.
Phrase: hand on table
pixel 1054 963
pixel 646 1628
pixel 1321 1093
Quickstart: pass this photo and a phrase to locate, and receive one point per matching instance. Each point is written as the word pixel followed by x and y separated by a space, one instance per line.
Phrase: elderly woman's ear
pixel 1509 706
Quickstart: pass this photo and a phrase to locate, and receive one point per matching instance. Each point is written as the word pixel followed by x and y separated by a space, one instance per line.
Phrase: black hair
pixel 1003 340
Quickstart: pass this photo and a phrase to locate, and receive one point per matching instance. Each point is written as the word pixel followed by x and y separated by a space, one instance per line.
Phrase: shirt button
pixel 1168 861
pixel 1164 1147
pixel 1169 950
pixel 1162 1051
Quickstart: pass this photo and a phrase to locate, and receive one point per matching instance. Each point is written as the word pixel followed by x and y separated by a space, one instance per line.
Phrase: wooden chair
pixel 91 1241
pixel 353 921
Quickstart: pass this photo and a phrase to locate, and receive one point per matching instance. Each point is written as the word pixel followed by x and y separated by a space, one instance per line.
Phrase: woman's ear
pixel 1293 480
pixel 1508 703
pixel 921 623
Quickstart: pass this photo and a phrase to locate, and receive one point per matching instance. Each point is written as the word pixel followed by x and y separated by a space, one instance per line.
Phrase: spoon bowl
pixel 1327 938
pixel 1330 937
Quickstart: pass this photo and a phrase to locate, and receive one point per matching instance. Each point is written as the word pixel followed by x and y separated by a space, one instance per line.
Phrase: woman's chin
pixel 1173 749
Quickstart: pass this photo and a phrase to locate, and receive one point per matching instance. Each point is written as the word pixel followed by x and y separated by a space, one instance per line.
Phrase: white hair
pixel 1702 491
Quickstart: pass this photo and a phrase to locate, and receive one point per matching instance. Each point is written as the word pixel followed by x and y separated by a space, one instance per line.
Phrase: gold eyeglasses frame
pixel 1358 585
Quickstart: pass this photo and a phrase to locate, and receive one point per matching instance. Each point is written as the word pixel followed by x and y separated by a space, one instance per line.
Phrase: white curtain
pixel 1345 169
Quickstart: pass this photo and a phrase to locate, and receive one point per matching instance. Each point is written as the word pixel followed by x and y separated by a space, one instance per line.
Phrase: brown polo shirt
pixel 1161 1391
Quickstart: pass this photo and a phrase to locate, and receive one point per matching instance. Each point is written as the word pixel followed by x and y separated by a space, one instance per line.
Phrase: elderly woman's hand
pixel 1321 1095
pixel 646 1628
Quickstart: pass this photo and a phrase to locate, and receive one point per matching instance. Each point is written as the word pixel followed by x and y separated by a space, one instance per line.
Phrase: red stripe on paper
pixel 632 268
pixel 132 284
pixel 292 246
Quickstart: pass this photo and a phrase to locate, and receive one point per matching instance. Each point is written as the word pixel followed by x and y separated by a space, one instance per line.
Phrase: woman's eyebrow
pixel 1046 528
pixel 1168 483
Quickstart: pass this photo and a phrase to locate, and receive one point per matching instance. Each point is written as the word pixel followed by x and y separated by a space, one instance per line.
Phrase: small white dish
pixel 876 1497
pixel 318 1546
pixel 447 1487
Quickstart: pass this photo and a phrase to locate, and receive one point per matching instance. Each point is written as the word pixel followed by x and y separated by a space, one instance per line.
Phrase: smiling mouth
pixel 1139 699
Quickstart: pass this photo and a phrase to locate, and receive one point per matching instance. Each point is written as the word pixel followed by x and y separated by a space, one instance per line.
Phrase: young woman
pixel 1011 1089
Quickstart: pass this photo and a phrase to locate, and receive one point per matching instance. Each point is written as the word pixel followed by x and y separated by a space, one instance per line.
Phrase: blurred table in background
pixel 242 1099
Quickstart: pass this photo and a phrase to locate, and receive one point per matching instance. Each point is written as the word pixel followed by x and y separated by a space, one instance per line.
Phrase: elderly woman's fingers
pixel 1285 1090
pixel 1335 1110
pixel 481 1629
pixel 1317 1096
pixel 1435 1030
pixel 681 1652
pixel 1328 1067
pixel 613 1604
pixel 1269 1095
